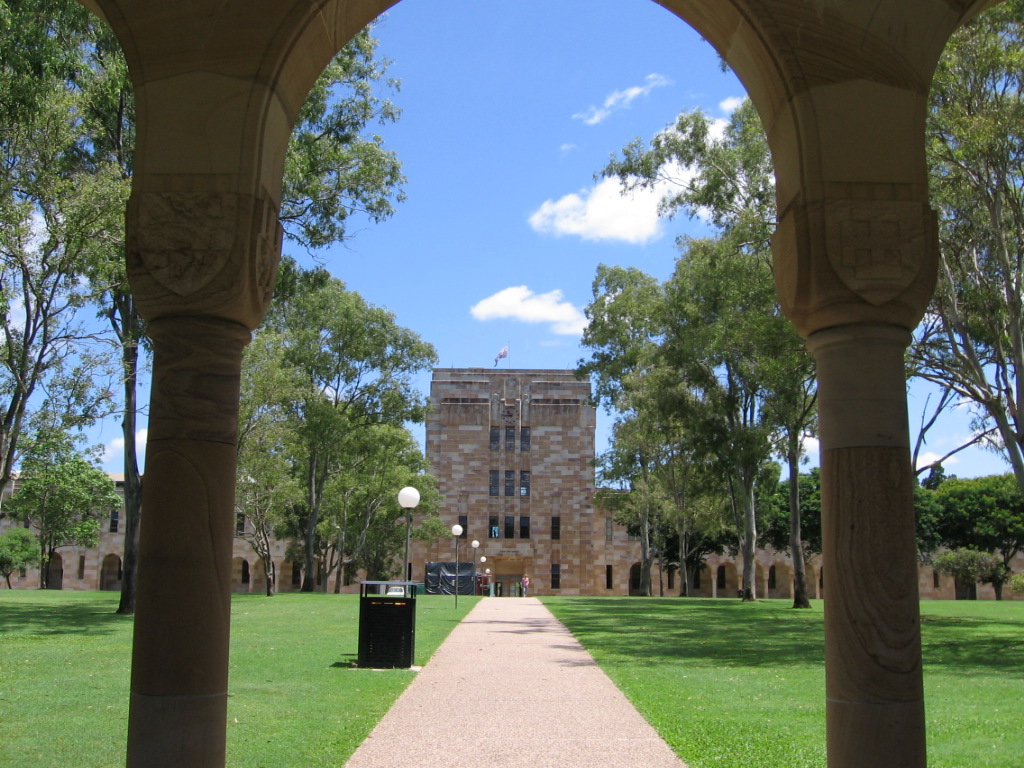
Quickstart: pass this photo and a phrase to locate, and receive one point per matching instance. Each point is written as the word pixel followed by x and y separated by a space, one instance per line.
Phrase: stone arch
pixel 55 572
pixel 783 582
pixel 727 581
pixel 241 575
pixel 110 573
pixel 841 89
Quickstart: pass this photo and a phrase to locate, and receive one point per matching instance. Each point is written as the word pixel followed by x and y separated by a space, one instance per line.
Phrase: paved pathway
pixel 511 688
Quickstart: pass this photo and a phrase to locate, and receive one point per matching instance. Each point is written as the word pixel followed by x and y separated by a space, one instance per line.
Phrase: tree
pixel 51 214
pixel 63 495
pixel 334 166
pixel 984 514
pixel 18 548
pixel 968 567
pixel 355 366
pixel 971 342
pixel 722 326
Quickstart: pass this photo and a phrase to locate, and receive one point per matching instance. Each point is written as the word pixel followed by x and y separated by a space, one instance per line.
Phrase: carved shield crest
pixel 876 247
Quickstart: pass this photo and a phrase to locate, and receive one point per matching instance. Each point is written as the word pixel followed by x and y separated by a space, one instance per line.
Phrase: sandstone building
pixel 513 452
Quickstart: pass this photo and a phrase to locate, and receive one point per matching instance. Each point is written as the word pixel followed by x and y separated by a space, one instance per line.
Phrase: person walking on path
pixel 525 584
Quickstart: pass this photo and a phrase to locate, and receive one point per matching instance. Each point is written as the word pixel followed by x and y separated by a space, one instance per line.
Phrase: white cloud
pixel 617 100
pixel 520 303
pixel 731 104
pixel 114 450
pixel 602 212
pixel 924 459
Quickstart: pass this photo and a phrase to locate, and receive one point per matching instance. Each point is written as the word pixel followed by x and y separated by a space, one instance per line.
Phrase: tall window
pixel 771 577
pixel 114 519
pixel 510 438
pixel 556 528
pixel 556 576
pixel 81 566
pixel 492 488
pixel 464 522
pixel 493 529
pixel 239 524
pixel 524 527
pixel 510 526
pixel 524 483
pixel 608 581
pixel 510 482
pixel 524 439
pixel 495 438
pixel 721 577
pixel 607 529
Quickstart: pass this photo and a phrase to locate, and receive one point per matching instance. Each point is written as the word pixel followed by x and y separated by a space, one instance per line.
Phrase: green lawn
pixel 725 683
pixel 733 684
pixel 296 700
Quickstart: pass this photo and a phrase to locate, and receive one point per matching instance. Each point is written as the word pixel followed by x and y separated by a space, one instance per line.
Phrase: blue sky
pixel 509 108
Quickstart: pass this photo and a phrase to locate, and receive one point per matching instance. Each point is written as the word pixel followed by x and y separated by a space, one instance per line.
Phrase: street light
pixel 456 532
pixel 408 498
pixel 474 544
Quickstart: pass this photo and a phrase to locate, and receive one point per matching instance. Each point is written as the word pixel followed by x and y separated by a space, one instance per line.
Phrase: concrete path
pixel 511 688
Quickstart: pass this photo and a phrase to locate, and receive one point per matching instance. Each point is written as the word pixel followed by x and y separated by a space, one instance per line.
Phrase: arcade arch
pixel 841 89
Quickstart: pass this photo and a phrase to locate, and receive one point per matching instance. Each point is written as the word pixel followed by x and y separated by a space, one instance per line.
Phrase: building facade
pixel 513 453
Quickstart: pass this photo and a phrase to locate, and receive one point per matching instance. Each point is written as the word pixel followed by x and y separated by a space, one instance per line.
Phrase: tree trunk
pixel 748 543
pixel 132 479
pixel 271 573
pixel 796 548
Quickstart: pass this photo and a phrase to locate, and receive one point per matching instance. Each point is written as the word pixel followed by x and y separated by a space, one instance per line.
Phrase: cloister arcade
pixel 841 86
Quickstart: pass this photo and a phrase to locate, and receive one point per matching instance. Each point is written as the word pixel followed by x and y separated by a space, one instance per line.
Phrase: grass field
pixel 732 684
pixel 725 683
pixel 296 700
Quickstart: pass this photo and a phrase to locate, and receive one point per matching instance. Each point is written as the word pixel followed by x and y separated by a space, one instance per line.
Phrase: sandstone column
pixel 873 685
pixel 202 266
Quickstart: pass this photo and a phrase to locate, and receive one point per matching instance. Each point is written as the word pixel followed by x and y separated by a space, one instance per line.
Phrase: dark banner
pixel 441 579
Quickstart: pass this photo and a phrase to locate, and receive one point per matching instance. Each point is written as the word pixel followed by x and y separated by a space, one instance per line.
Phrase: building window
pixel 608 581
pixel 524 483
pixel 935 579
pixel 524 439
pixel 771 577
pixel 495 438
pixel 510 482
pixel 556 576
pixel 510 526
pixel 493 529
pixel 81 566
pixel 492 488
pixel 608 529
pixel 524 527
pixel 239 524
pixel 556 528
pixel 245 571
pixel 721 577
pixel 510 438
pixel 464 522
pixel 114 520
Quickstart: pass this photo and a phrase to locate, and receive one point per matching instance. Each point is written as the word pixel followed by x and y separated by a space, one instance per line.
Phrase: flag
pixel 503 353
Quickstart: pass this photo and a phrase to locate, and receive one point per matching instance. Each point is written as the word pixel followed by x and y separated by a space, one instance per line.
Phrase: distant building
pixel 513 453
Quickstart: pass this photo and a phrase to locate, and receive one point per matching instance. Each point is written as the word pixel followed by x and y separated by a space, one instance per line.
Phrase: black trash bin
pixel 387 624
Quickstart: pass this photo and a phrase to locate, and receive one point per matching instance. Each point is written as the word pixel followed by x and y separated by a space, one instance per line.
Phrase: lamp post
pixel 408 498
pixel 475 544
pixel 456 532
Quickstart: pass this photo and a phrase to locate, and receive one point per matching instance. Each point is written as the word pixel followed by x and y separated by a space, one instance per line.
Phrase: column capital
pixel 855 258
pixel 202 251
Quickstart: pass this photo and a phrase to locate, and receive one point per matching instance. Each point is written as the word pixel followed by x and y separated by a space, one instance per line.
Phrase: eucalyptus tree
pixel 355 366
pixel 750 382
pixel 53 50
pixel 52 213
pixel 971 343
